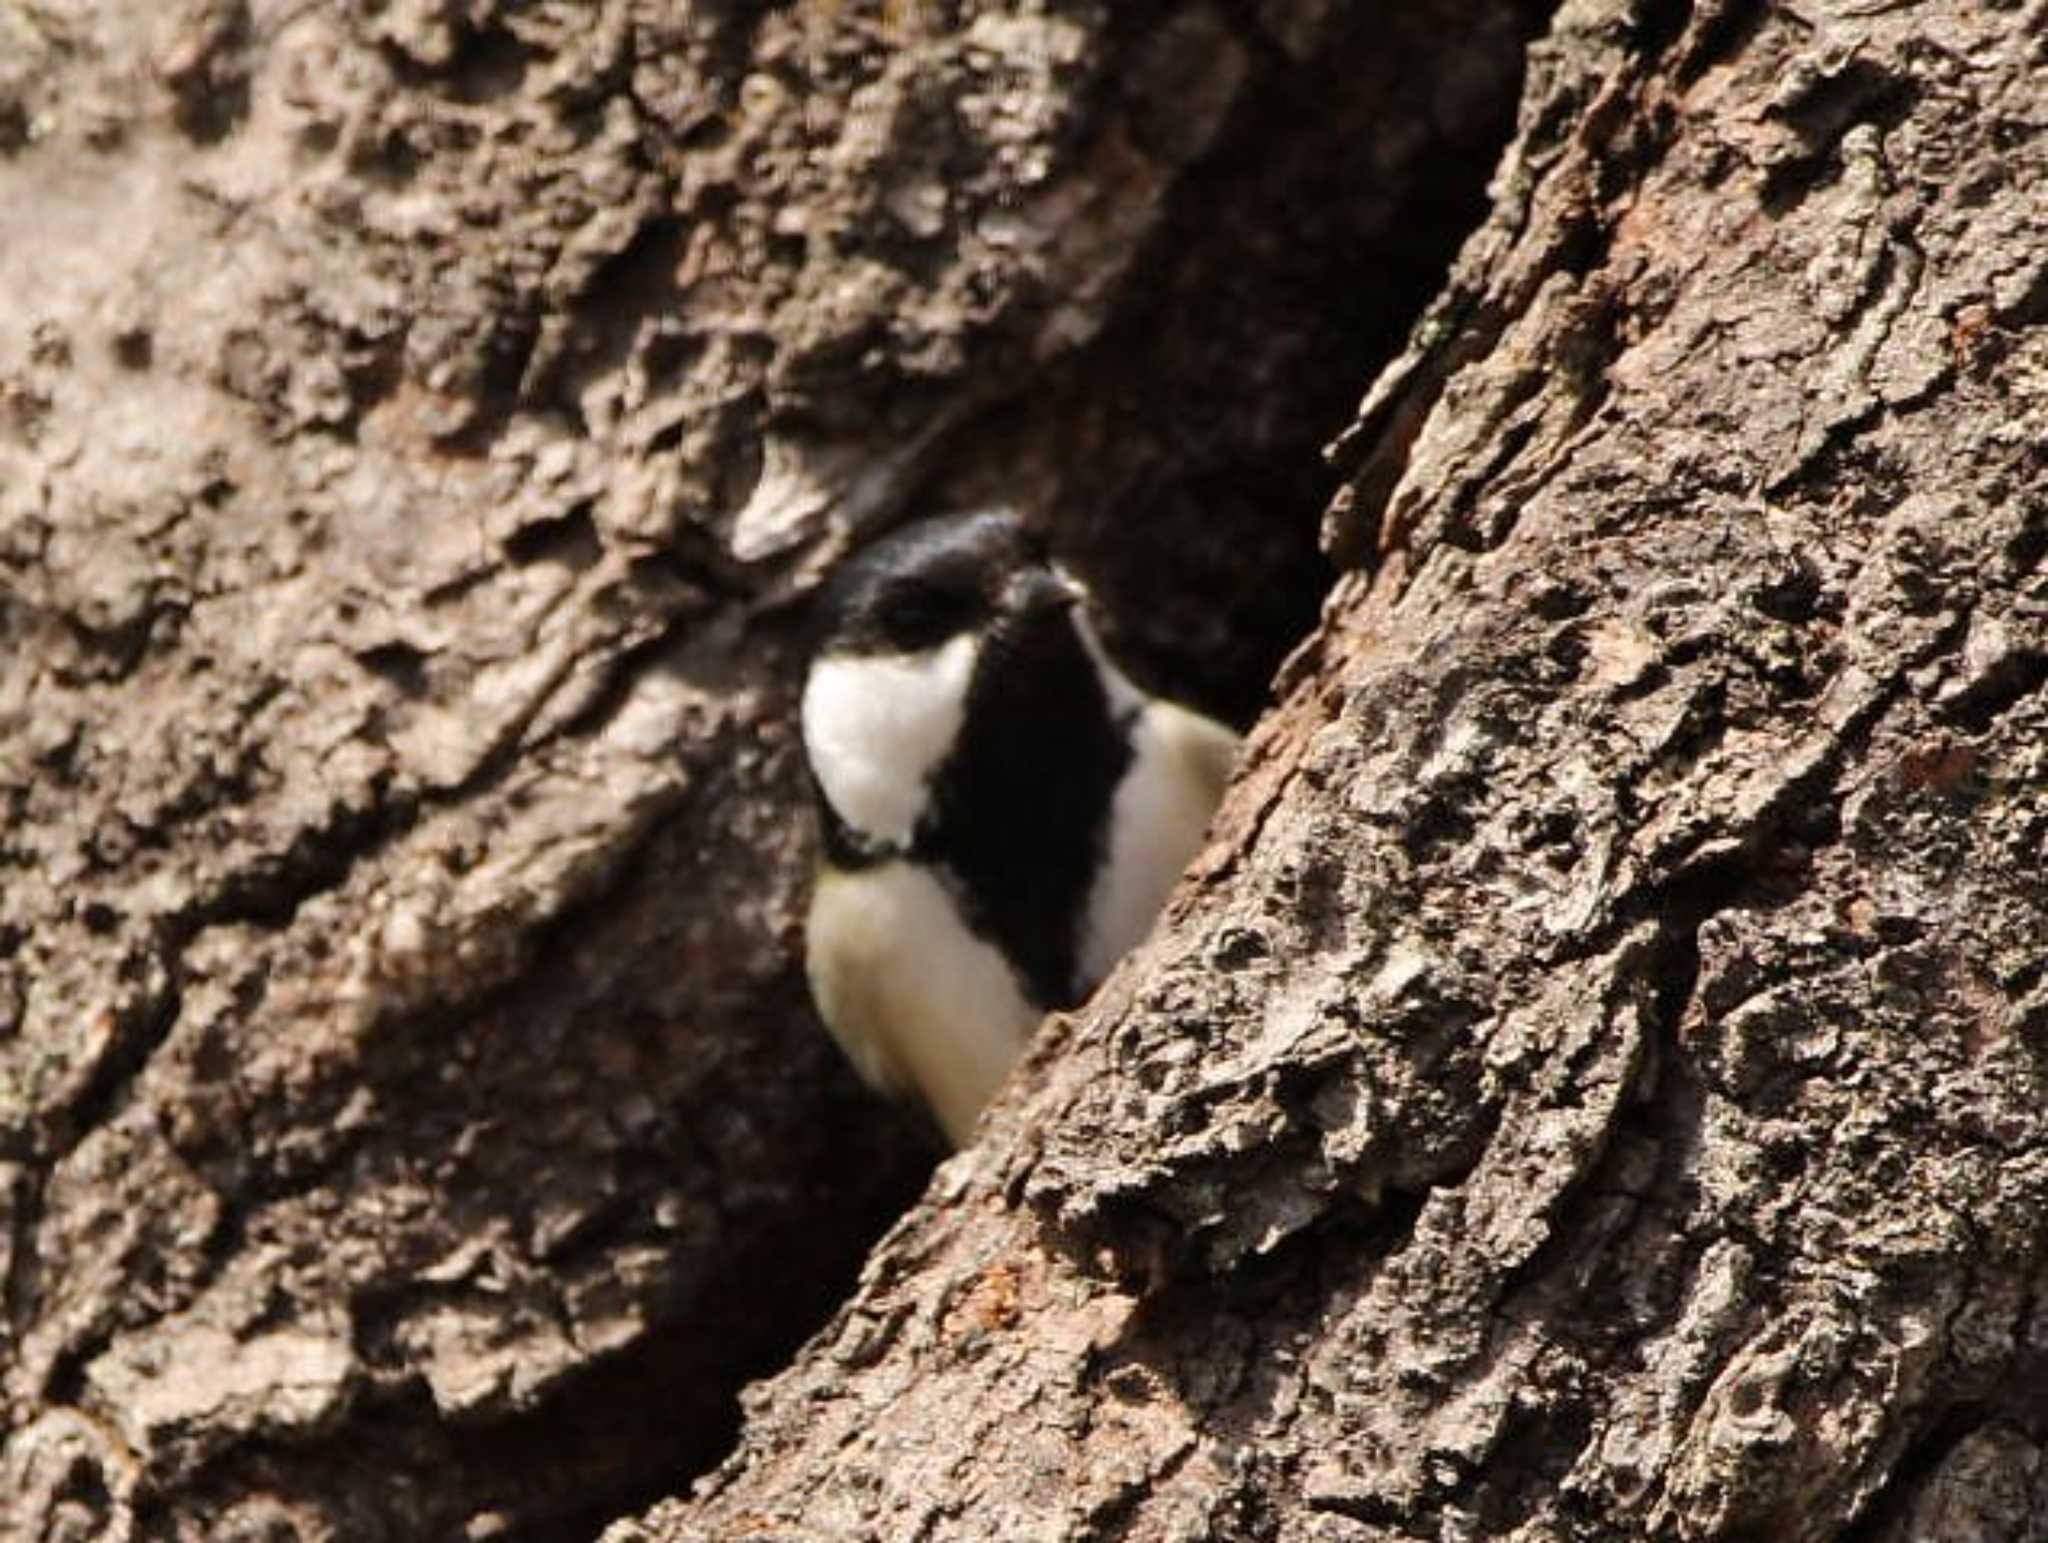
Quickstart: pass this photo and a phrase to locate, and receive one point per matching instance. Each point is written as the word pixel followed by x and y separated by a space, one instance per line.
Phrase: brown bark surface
pixel 1596 1086
pixel 418 423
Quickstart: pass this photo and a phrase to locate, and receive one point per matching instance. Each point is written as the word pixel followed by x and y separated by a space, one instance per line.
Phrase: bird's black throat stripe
pixel 1020 808
pixel 1019 812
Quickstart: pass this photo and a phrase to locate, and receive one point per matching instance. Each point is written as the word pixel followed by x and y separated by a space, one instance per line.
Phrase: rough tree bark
pixel 1596 1086
pixel 419 424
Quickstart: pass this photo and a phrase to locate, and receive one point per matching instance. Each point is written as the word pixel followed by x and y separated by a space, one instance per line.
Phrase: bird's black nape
pixel 924 582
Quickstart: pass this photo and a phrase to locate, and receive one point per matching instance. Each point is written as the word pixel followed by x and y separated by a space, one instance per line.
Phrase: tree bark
pixel 1594 1086
pixel 420 424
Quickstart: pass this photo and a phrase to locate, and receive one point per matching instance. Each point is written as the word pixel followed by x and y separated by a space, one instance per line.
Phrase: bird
pixel 1003 809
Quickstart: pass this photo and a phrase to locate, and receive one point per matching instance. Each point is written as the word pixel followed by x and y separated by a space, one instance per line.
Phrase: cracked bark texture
pixel 420 424
pixel 1593 1086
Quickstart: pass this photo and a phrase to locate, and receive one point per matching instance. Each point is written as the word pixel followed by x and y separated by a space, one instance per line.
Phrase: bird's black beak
pixel 1038 590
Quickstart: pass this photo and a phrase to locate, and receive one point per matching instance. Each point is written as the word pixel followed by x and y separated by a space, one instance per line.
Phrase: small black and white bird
pixel 1004 810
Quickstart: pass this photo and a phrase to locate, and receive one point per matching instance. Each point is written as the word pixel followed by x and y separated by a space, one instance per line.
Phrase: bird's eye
pixel 917 616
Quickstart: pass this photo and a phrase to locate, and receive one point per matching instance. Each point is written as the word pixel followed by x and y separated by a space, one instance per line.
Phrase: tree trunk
pixel 419 426
pixel 1594 1085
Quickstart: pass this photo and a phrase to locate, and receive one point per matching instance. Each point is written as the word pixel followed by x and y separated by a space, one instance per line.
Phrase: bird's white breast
pixel 918 1002
pixel 1179 764
pixel 877 726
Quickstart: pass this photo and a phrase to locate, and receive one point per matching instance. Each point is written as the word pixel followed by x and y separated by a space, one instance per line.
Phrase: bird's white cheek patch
pixel 877 727
pixel 1124 698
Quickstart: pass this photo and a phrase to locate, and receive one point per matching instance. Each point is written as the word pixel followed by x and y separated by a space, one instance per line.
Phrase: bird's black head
pixel 926 583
